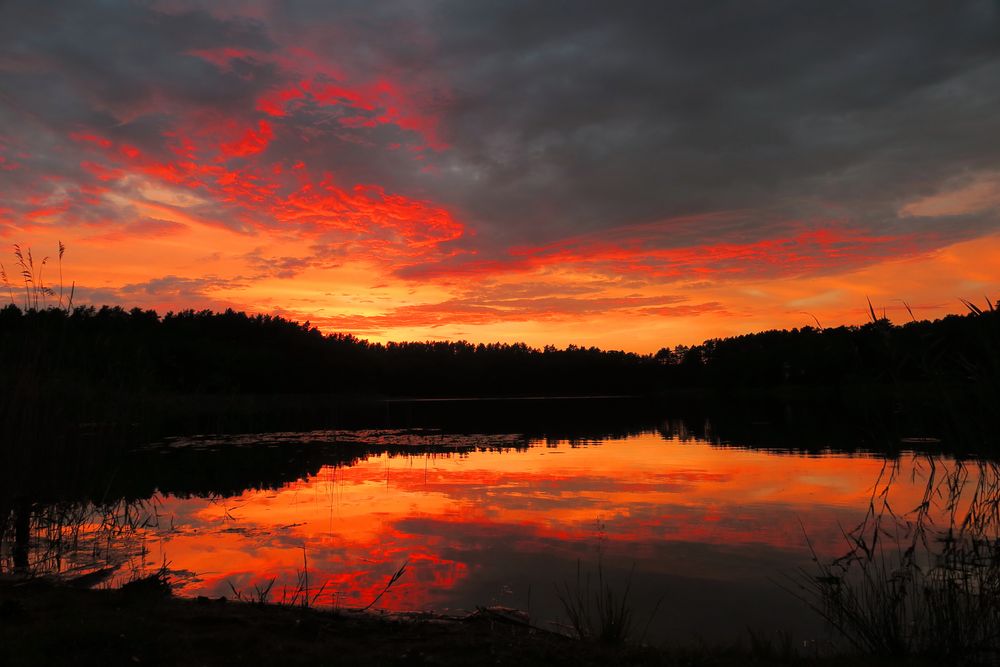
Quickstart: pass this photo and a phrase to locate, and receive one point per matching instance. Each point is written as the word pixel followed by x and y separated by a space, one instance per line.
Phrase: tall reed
pixel 921 582
pixel 598 611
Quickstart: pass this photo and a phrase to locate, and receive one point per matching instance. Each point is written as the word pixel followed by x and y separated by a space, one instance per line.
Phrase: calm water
pixel 712 531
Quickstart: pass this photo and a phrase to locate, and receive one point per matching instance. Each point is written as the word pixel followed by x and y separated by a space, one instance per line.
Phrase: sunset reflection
pixel 695 519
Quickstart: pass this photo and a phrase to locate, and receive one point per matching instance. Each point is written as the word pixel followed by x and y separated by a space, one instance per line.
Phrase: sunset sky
pixel 626 175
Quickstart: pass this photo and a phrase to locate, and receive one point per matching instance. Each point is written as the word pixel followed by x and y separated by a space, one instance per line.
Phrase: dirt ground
pixel 46 624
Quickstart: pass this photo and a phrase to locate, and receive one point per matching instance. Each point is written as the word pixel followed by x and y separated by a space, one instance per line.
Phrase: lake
pixel 709 536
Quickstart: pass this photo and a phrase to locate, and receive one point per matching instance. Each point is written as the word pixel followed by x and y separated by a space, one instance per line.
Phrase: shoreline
pixel 142 623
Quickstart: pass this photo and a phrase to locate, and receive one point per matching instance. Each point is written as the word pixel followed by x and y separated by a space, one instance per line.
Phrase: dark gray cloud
pixel 174 292
pixel 599 118
pixel 278 267
pixel 533 122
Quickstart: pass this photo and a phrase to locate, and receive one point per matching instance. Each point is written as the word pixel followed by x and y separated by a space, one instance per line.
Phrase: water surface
pixel 713 534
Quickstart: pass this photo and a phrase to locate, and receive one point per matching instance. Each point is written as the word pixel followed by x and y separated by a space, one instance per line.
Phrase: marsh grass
pixel 151 586
pixel 771 647
pixel 396 576
pixel 300 594
pixel 922 582
pixel 261 594
pixel 596 610
pixel 36 292
pixel 69 541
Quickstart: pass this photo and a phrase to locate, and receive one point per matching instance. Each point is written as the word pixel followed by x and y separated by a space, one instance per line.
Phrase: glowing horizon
pixel 602 179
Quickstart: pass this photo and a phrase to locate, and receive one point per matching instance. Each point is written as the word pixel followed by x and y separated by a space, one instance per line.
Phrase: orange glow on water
pixel 468 524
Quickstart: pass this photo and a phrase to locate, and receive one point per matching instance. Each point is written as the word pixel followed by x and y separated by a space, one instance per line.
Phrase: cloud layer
pixel 412 166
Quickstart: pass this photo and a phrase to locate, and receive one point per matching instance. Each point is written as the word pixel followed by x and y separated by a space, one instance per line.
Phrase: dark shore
pixel 42 623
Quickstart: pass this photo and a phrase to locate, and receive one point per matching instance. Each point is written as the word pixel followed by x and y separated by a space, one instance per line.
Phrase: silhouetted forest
pixel 108 375
pixel 233 353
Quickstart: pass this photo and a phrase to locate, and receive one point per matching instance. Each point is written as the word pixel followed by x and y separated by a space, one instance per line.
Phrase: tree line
pixel 233 352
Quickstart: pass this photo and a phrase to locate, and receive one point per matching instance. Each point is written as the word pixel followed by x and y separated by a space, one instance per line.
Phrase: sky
pixel 629 175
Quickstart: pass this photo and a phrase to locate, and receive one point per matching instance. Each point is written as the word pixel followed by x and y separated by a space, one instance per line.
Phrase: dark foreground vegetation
pixel 923 580
pixel 141 624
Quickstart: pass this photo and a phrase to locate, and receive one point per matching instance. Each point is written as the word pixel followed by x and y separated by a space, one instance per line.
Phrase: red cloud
pixel 644 252
pixel 270 194
pixel 325 205
pixel 274 103
pixel 101 172
pixel 47 211
pixel 382 100
pixel 219 155
pixel 251 142
pixel 89 137
pixel 224 56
